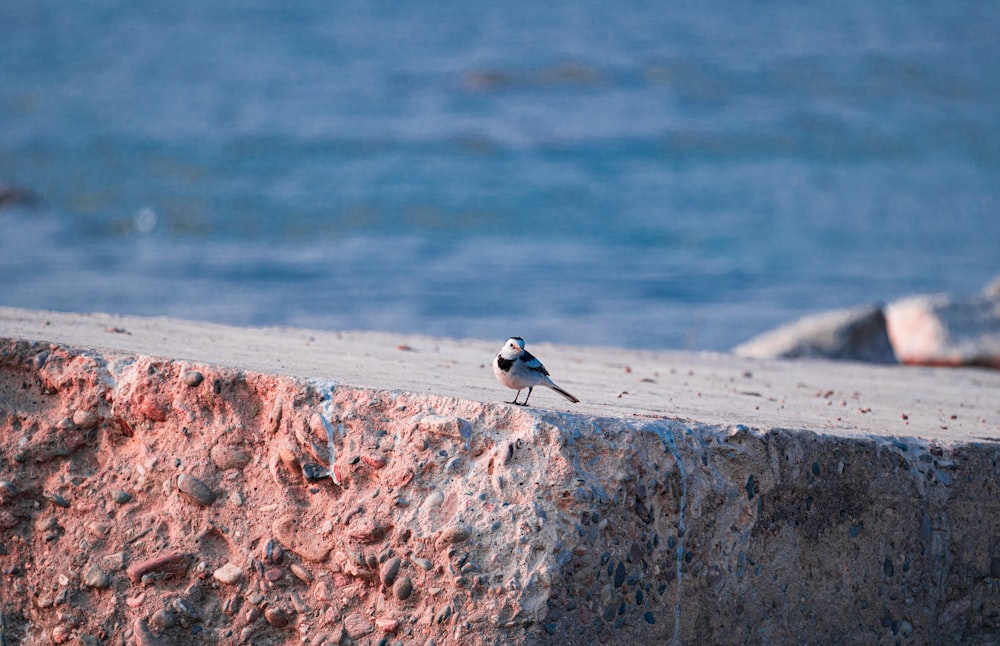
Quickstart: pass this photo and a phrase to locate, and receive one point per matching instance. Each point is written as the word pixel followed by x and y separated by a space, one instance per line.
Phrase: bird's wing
pixel 532 363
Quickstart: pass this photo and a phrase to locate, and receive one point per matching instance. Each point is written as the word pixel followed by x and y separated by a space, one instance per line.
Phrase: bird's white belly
pixel 512 378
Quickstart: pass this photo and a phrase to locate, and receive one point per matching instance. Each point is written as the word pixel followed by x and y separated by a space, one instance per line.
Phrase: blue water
pixel 661 175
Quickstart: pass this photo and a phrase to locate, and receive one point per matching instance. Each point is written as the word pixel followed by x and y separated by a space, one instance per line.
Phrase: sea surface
pixel 650 175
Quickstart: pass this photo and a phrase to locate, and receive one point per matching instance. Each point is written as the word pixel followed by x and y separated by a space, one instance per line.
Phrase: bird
pixel 518 369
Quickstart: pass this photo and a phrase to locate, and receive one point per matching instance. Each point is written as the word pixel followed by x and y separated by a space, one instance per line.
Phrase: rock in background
pixel 941 330
pixel 854 335
pixel 152 501
pixel 928 330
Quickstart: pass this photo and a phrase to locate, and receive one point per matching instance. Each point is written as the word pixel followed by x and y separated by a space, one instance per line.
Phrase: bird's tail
pixel 563 392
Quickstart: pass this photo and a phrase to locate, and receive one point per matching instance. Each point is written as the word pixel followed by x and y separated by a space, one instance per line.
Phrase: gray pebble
pixel 403 588
pixel 195 489
pixel 389 571
pixel 314 472
pixel 619 574
pixel 56 499
pixel 183 607
pixel 275 553
pixel 423 563
pixel 95 577
pixel 442 615
pixel 121 497
pixel 193 378
pixel 163 619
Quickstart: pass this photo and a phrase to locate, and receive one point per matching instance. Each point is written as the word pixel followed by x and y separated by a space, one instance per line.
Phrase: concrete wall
pixel 158 501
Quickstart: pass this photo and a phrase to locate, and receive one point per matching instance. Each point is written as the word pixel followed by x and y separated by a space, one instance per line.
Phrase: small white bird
pixel 518 369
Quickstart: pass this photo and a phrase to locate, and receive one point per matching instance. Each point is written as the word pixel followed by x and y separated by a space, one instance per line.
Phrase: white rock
pixel 434 499
pixel 941 330
pixel 228 574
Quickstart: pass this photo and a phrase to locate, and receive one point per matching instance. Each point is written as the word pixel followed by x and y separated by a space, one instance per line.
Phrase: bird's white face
pixel 512 348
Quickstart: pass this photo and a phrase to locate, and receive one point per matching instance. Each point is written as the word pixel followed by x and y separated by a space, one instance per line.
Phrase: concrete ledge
pixel 172 482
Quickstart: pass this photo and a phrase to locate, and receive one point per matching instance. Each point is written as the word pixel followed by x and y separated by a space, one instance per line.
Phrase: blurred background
pixel 653 175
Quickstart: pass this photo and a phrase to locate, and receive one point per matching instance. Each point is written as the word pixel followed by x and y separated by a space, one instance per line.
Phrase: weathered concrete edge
pixel 673 530
pixel 837 397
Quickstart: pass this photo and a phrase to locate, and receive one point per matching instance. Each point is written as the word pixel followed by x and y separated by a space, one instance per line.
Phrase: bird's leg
pixel 516 395
pixel 525 402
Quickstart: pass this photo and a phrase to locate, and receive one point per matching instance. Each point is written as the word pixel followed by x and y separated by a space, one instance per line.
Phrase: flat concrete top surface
pixel 945 405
